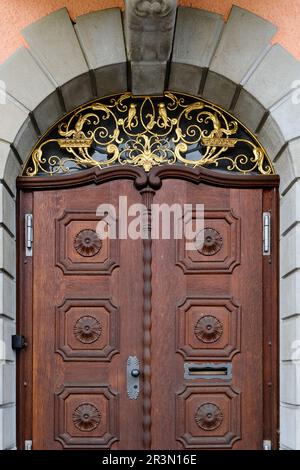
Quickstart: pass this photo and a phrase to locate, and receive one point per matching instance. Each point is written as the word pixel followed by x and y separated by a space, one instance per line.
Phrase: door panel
pixel 84 319
pixel 206 313
pixel 211 314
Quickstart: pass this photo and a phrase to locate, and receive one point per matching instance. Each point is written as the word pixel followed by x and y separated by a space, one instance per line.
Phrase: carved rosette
pixel 86 417
pixel 208 416
pixel 212 242
pixel 87 243
pixel 87 329
pixel 208 329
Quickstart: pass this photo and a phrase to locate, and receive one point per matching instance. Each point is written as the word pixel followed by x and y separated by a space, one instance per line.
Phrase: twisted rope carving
pixel 147 321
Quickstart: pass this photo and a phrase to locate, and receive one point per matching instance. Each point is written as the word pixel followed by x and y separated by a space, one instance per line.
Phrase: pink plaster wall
pixel 16 14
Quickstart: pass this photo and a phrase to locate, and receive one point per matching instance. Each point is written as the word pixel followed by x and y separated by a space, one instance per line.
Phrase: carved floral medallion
pixel 87 329
pixel 212 242
pixel 208 329
pixel 86 417
pixel 208 416
pixel 87 243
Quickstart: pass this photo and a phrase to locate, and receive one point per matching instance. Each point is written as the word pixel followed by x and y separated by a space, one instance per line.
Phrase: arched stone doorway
pixel 247 84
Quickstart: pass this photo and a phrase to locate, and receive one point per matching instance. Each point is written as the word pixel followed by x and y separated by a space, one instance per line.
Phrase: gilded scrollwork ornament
pixel 147 132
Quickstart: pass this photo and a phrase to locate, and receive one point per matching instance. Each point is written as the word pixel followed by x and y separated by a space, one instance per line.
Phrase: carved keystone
pixel 149 30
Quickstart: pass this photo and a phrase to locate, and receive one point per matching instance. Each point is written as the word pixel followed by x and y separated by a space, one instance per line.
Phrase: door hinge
pixel 28 234
pixel 18 342
pixel 266 233
pixel 267 445
pixel 28 445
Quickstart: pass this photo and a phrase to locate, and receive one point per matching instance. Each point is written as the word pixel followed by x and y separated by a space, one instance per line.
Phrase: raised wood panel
pixel 208 328
pixel 208 417
pixel 78 247
pixel 221 244
pixel 86 417
pixel 87 330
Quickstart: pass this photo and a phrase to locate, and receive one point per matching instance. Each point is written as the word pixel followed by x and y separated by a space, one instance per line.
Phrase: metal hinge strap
pixel 28 234
pixel 266 233
pixel 28 445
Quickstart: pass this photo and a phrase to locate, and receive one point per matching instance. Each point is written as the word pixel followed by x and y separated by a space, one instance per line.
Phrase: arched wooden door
pixel 137 342
pixel 202 324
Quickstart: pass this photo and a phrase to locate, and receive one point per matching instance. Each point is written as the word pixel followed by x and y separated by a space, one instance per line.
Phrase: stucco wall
pixel 16 15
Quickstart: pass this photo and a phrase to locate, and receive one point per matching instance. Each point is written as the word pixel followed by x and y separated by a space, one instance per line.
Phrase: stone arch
pixel 233 65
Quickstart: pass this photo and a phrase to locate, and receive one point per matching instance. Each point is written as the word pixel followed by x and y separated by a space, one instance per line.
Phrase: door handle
pixel 135 372
pixel 133 380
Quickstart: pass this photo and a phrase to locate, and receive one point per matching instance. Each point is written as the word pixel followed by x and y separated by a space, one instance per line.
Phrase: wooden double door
pixel 143 344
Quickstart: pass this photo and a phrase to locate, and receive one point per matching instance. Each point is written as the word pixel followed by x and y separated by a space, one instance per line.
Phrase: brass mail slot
pixel 207 371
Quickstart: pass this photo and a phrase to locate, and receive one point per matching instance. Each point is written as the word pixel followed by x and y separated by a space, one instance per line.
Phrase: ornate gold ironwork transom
pixel 146 132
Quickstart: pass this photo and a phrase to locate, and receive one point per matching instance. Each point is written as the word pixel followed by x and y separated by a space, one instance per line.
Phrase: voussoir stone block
pixel 284 167
pixel 294 150
pixel 7 252
pixel 26 139
pixel 244 38
pixel 287 117
pixel 185 78
pixel 48 111
pixel 7 209
pixel 290 251
pixel 111 79
pixel 12 117
pixel 24 79
pixel 219 89
pixel 77 91
pixel 54 44
pixel 9 166
pixel 29 84
pixel 101 37
pixel 249 110
pixel 196 36
pixel 271 137
pixel 290 208
pixel 102 40
pixel 273 77
pixel 53 41
pixel 148 77
pixel 288 165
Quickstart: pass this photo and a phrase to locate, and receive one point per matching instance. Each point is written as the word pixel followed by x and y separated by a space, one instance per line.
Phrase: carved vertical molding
pixel 147 195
